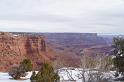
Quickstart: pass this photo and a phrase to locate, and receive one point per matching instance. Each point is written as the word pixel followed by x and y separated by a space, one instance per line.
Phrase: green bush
pixel 20 71
pixel 17 72
pixel 27 65
pixel 45 74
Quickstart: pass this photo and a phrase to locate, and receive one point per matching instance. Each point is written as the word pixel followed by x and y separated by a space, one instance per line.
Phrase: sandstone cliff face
pixel 15 48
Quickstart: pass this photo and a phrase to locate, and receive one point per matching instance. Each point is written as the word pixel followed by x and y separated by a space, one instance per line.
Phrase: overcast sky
pixel 101 16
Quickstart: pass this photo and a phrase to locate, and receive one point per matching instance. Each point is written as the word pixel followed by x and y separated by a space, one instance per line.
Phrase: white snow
pixel 76 74
pixel 4 77
pixel 64 73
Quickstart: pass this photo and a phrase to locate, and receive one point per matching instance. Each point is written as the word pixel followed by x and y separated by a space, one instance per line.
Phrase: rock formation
pixel 40 47
pixel 15 48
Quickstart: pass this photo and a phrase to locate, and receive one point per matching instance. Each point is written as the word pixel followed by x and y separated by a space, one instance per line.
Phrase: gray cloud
pixel 101 16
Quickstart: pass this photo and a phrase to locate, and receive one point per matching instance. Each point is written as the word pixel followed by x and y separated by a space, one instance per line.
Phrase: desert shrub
pixel 20 71
pixel 17 72
pixel 27 65
pixel 45 74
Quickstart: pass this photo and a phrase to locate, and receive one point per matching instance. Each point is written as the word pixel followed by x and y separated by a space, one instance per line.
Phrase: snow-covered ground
pixel 76 74
pixel 64 73
pixel 4 77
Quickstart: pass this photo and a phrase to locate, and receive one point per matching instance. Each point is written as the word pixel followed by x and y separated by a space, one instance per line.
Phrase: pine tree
pixel 46 74
pixel 119 55
pixel 27 65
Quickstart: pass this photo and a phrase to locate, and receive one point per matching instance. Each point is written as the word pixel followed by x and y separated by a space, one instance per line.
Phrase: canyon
pixel 40 47
pixel 90 43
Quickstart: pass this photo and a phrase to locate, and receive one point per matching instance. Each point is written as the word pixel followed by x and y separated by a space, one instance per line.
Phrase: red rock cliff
pixel 15 48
